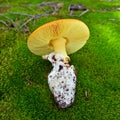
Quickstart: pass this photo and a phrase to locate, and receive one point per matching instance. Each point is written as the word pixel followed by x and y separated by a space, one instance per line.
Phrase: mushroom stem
pixel 59 46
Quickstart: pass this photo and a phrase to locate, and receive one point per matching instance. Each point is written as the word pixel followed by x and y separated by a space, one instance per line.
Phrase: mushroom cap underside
pixel 75 32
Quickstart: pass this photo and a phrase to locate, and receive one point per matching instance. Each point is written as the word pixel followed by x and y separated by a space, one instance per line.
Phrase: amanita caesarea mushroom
pixel 54 41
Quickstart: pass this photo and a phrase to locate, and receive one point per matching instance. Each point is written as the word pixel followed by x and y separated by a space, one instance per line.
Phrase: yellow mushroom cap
pixel 75 32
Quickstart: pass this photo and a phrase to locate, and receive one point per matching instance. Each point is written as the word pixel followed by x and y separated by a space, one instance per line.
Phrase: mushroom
pixel 54 41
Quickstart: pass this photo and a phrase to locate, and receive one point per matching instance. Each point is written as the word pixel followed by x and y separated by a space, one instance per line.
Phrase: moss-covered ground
pixel 24 92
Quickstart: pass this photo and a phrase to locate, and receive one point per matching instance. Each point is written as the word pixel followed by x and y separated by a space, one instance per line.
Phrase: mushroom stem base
pixel 59 46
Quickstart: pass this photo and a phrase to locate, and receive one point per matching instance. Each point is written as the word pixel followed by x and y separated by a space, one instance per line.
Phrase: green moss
pixel 24 92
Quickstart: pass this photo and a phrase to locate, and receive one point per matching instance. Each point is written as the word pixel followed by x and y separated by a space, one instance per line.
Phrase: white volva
pixel 61 80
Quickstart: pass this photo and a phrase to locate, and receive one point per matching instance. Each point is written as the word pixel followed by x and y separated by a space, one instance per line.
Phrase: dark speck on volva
pixel 60 67
pixel 54 58
pixel 67 89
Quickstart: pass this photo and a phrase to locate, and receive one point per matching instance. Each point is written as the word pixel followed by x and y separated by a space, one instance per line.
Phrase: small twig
pixel 33 18
pixel 105 10
pixel 86 95
pixel 77 7
pixel 10 21
pixel 40 4
pixel 80 14
pixel 2 28
pixel 33 10
pixel 83 13
pixel 3 22
pixel 18 13
pixel 7 18
pixel 118 8
pixel 5 6
pixel 28 81
pixel 114 19
pixel 24 24
pixel 54 5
